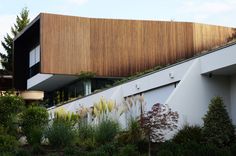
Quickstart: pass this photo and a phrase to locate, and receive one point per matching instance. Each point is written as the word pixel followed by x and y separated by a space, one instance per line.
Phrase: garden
pixel 110 129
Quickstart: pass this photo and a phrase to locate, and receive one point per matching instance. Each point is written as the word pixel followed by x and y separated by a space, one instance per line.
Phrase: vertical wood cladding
pixel 114 48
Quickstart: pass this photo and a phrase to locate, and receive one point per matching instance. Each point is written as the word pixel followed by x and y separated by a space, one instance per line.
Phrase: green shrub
pixel 133 135
pixel 224 152
pixel 233 149
pixel 142 146
pixel 208 150
pixel 109 149
pixel 165 153
pixel 106 131
pixel 34 121
pixel 72 151
pixel 128 150
pixel 10 106
pixel 189 148
pixel 218 128
pixel 96 153
pixel 8 144
pixel 37 150
pixel 52 154
pixel 188 134
pixel 169 146
pixel 85 137
pixel 23 152
pixel 61 133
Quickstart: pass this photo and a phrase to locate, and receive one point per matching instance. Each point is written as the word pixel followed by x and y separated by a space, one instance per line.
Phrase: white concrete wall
pixel 156 80
pixel 149 82
pixel 222 58
pixel 194 92
pixel 158 95
pixel 233 98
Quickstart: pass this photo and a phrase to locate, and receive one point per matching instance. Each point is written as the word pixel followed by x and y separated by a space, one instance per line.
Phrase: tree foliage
pixel 158 121
pixel 218 128
pixel 21 22
pixel 10 106
pixel 188 134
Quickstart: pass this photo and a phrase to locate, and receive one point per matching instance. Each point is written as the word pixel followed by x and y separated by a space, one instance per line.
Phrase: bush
pixel 85 137
pixel 52 154
pixel 8 144
pixel 34 120
pixel 72 151
pixel 208 150
pixel 37 150
pixel 133 135
pixel 169 146
pixel 109 149
pixel 218 128
pixel 106 131
pixel 61 133
pixel 142 146
pixel 224 152
pixel 233 149
pixel 96 153
pixel 188 134
pixel 128 150
pixel 10 106
pixel 189 148
pixel 23 152
pixel 165 153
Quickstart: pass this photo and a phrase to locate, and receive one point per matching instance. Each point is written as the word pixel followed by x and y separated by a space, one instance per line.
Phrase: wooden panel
pixel 65 44
pixel 114 48
pixel 209 36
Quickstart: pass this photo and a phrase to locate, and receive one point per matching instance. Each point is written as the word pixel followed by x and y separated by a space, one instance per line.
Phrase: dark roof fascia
pixel 27 27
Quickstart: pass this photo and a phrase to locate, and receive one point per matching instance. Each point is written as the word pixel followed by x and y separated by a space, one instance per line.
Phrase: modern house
pixel 58 54
pixel 186 87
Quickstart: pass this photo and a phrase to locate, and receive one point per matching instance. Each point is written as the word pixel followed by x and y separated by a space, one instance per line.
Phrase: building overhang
pixel 49 82
pixel 220 62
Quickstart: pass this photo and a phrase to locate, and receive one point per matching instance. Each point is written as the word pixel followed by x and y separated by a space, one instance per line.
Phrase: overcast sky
pixel 218 12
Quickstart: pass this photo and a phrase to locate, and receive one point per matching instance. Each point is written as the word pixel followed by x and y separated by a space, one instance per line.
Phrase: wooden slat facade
pixel 116 48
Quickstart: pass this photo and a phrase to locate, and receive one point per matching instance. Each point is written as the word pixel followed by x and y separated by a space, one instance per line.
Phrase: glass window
pixel 34 56
pixel 37 54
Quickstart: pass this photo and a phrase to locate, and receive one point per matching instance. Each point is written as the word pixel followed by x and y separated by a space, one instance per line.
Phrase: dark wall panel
pixel 22 46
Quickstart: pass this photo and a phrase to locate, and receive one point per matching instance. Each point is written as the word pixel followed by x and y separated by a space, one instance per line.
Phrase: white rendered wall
pixel 222 58
pixel 143 84
pixel 158 95
pixel 194 92
pixel 156 80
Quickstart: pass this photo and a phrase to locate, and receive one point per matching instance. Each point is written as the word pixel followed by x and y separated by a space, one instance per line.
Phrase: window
pixel 34 56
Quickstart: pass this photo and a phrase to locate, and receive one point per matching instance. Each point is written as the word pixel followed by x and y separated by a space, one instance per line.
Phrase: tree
pixel 218 128
pixel 21 22
pixel 157 122
pixel 10 107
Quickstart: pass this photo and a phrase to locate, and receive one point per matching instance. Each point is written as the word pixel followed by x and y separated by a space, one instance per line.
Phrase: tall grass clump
pixel 106 131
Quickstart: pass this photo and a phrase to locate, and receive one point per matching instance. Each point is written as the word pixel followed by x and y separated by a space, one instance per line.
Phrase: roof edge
pixel 27 27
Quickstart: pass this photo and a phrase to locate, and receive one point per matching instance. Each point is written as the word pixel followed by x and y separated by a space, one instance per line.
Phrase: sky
pixel 217 12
